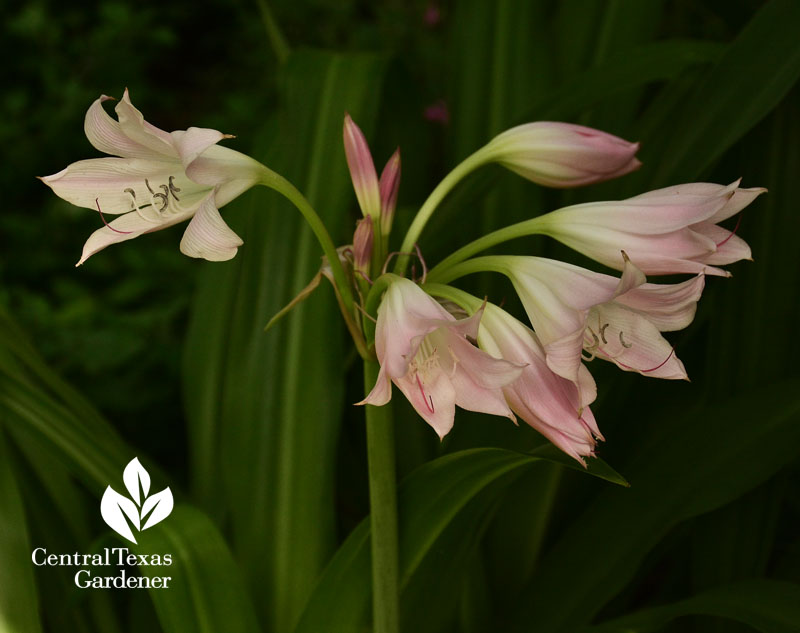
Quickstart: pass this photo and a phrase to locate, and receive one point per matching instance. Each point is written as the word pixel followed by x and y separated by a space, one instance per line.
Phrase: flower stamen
pixel 735 228
pixel 424 397
pixel 97 202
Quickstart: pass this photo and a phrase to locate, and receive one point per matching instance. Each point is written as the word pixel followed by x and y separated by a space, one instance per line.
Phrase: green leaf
pixel 750 79
pixel 768 606
pixel 206 593
pixel 265 409
pixel 443 506
pixel 632 68
pixel 19 602
pixel 683 469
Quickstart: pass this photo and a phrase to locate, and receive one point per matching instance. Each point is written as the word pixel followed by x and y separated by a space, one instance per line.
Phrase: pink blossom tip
pixel 563 155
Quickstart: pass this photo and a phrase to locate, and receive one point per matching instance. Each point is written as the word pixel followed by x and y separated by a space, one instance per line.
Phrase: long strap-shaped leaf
pixel 265 408
pixel 769 606
pixel 442 506
pixel 682 470
pixel 734 95
pixel 19 603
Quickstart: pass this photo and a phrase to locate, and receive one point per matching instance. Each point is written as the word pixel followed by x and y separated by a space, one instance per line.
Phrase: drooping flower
pixel 617 319
pixel 562 154
pixel 672 230
pixel 425 351
pixel 554 406
pixel 156 179
pixel 376 198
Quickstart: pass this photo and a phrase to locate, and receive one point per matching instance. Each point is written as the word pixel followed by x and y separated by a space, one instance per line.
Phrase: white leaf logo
pixel 120 513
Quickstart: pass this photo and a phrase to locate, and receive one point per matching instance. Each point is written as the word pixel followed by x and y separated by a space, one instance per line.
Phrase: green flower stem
pixel 468 165
pixel 490 263
pixel 383 510
pixel 290 192
pixel 533 226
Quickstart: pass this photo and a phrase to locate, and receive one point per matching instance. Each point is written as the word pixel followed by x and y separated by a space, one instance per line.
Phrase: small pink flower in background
pixel 432 16
pixel 554 406
pixel 159 179
pixel 672 230
pixel 575 310
pixel 425 351
pixel 376 198
pixel 562 154
pixel 437 112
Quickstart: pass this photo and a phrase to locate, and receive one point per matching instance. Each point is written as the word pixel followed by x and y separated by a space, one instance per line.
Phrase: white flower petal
pixel 194 141
pixel 106 135
pixel 207 235
pixel 134 126
pixel 127 227
pixel 106 179
pixel 231 171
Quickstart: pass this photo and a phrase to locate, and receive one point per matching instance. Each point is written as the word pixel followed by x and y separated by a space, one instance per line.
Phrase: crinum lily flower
pixel 157 179
pixel 426 352
pixel 551 404
pixel 562 155
pixel 672 230
pixel 574 310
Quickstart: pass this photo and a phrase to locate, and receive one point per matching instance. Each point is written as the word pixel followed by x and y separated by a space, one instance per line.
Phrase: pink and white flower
pixel 554 406
pixel 427 354
pixel 562 154
pixel 156 179
pixel 672 230
pixel 574 310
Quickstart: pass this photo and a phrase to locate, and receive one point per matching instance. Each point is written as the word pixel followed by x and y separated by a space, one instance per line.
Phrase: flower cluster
pixel 443 347
pixel 436 343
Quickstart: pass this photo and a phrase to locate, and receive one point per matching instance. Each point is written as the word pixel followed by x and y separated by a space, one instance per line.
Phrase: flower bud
pixel 389 184
pixel 362 169
pixel 562 154
pixel 362 245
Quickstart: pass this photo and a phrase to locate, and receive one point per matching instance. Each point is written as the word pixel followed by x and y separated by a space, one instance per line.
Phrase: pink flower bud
pixel 562 155
pixel 389 184
pixel 362 169
pixel 362 244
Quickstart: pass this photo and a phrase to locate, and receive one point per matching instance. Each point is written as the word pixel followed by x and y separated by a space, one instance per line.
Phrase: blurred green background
pixel 142 351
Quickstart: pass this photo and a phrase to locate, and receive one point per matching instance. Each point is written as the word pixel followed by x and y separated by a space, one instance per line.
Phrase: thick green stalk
pixel 469 164
pixel 383 510
pixel 533 226
pixel 290 192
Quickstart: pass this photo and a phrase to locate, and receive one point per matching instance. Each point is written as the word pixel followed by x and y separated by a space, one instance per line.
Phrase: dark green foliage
pixel 256 433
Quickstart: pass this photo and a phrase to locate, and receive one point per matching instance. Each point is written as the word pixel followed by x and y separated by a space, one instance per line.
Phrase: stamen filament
pixel 97 202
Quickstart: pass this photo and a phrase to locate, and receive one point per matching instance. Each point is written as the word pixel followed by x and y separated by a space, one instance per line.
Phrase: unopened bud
pixel 389 185
pixel 562 154
pixel 362 169
pixel 362 245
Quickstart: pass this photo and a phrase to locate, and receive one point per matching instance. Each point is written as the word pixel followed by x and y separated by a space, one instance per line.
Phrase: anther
pixel 164 199
pixel 149 188
pixel 622 341
pixel 173 188
pixel 603 333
